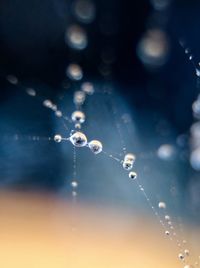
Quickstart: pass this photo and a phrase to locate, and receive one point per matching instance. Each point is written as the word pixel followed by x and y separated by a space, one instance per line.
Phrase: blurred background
pixel 147 54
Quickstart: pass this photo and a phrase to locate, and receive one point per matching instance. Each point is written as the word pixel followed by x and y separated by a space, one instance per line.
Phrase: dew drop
pixel 58 138
pixel 95 146
pixel 78 139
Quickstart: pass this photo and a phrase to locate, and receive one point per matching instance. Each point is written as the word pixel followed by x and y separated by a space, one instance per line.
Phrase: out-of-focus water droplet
pixel 160 4
pixel 76 37
pixel 95 146
pixel 58 113
pixel 187 252
pixel 88 88
pixel 78 139
pixel 84 10
pixel 162 205
pixel 167 217
pixel 167 233
pixel 153 48
pixel 12 79
pixel 79 97
pixel 166 152
pixel 74 72
pixel 48 103
pixel 31 92
pixel 195 159
pixel 74 184
pixel 58 138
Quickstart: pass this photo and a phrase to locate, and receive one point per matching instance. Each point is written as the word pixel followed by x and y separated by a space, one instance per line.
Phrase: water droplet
pixel 31 92
pixel 79 97
pixel 95 146
pixel 130 157
pixel 84 10
pixel 12 79
pixel 181 256
pixel 74 72
pixel 167 232
pixel 162 205
pixel 78 117
pixel 74 184
pixel 88 88
pixel 166 152
pixel 58 138
pixel 133 175
pixel 127 165
pixel 48 103
pixel 76 37
pixel 78 139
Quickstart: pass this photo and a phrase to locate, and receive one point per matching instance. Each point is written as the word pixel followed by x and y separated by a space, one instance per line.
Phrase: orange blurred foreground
pixel 43 232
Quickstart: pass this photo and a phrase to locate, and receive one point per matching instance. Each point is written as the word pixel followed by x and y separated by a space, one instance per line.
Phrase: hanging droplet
pixel 58 138
pixel 127 165
pixel 181 256
pixel 78 117
pixel 133 175
pixel 78 139
pixel 95 146
pixel 167 233
pixel 130 157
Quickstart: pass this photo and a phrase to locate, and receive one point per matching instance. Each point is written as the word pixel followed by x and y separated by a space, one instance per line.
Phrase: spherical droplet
pixel 130 157
pixel 127 165
pixel 74 72
pixel 78 117
pixel 181 256
pixel 78 139
pixel 133 175
pixel 162 205
pixel 76 37
pixel 88 88
pixel 167 232
pixel 58 138
pixel 95 146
